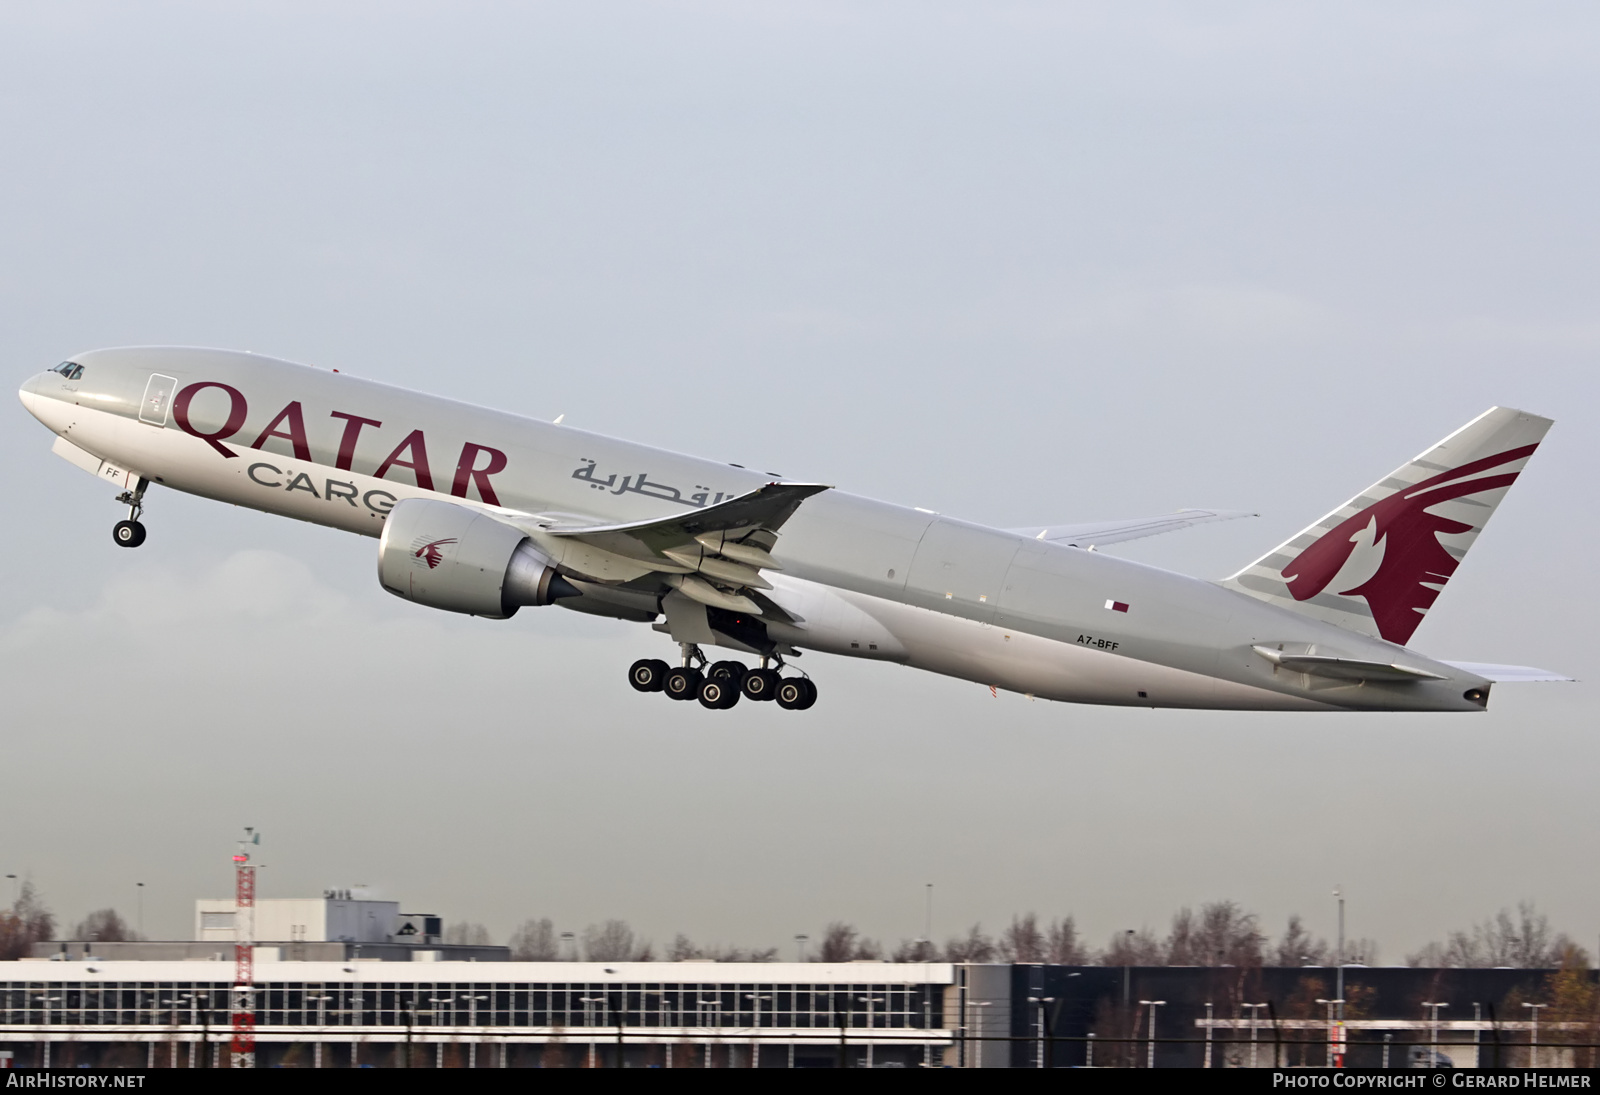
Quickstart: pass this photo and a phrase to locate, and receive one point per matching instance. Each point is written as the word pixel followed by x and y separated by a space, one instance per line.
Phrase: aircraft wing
pixel 713 555
pixel 765 508
pixel 1096 533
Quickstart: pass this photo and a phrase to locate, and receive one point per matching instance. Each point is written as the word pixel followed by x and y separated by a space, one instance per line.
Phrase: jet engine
pixel 447 556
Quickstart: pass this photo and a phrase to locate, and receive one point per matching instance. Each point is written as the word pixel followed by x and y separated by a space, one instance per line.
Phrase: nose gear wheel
pixel 130 533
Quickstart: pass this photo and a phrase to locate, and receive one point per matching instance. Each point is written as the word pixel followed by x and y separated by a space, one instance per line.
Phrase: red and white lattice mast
pixel 243 1048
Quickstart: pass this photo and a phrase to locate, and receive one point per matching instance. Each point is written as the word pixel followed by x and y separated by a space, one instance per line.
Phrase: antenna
pixel 243 1048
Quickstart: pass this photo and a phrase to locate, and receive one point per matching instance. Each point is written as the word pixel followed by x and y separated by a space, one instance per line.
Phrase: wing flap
pixel 766 507
pixel 712 555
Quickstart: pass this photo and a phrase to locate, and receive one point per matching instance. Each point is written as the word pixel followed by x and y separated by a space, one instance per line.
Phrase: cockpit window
pixel 69 369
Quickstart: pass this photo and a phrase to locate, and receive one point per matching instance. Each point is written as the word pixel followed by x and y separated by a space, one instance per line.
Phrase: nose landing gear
pixel 720 685
pixel 130 533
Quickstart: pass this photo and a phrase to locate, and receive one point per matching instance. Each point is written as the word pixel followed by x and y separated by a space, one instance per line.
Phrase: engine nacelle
pixel 447 556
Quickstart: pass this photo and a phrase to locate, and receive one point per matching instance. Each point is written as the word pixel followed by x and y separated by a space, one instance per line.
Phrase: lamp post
pixel 1433 1025
pixel 979 1026
pixel 1333 1027
pixel 1150 1061
pixel 177 1001
pixel 194 1021
pixel 714 1005
pixel 438 1046
pixel 1207 1062
pixel 206 1060
pixel 321 1000
pixel 139 889
pixel 1127 969
pixel 47 1001
pixel 472 1022
pixel 1338 988
pixel 755 1043
pixel 800 947
pixel 872 1002
pixel 664 1017
pixel 1255 1026
pixel 1533 1035
pixel 16 890
pixel 410 1007
pixel 588 1003
pixel 1039 1002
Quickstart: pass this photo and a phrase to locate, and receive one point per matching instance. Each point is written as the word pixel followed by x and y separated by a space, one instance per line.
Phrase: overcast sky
pixel 1020 263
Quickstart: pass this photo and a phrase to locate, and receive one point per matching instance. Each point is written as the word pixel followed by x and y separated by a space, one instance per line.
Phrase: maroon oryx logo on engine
pixel 429 553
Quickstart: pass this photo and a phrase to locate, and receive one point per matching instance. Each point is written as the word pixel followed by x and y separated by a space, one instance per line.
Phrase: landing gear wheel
pixel 796 694
pixel 129 534
pixel 683 683
pixel 648 675
pixel 810 696
pixel 718 695
pixel 731 672
pixel 761 684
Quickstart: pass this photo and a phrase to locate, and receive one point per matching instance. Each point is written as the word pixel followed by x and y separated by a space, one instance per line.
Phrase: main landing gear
pixel 130 533
pixel 719 685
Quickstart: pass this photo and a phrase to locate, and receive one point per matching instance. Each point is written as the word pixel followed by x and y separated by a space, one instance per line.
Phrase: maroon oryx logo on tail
pixel 1415 565
pixel 429 553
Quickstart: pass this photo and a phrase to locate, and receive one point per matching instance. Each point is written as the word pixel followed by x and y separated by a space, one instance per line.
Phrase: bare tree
pixel 535 941
pixel 1130 948
pixel 1298 948
pixel 1523 941
pixel 685 949
pixel 1429 956
pixel 838 942
pixel 26 923
pixel 1226 935
pixel 1363 951
pixel 975 946
pixel 1022 941
pixel 104 926
pixel 1116 1031
pixel 1184 947
pixel 841 942
pixel 466 933
pixel 1062 945
pixel 613 941
pixel 915 950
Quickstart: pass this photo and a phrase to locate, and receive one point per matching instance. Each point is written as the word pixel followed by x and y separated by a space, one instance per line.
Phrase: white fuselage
pixel 864 578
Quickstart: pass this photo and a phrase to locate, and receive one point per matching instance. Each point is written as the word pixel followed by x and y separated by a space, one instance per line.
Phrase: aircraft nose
pixel 29 392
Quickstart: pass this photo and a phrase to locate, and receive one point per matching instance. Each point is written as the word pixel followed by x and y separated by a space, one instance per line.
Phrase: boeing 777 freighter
pixel 482 512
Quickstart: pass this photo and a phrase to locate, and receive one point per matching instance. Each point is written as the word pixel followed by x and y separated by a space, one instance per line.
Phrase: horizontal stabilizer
pixel 1509 674
pixel 1096 533
pixel 1344 669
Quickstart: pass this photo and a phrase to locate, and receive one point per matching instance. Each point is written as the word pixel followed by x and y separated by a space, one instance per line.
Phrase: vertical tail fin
pixel 1377 563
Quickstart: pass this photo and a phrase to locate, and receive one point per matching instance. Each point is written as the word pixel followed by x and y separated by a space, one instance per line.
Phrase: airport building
pixel 346 981
pixel 486 1014
pixel 369 1012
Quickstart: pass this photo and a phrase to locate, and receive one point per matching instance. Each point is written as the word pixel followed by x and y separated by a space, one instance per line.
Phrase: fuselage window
pixel 70 370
